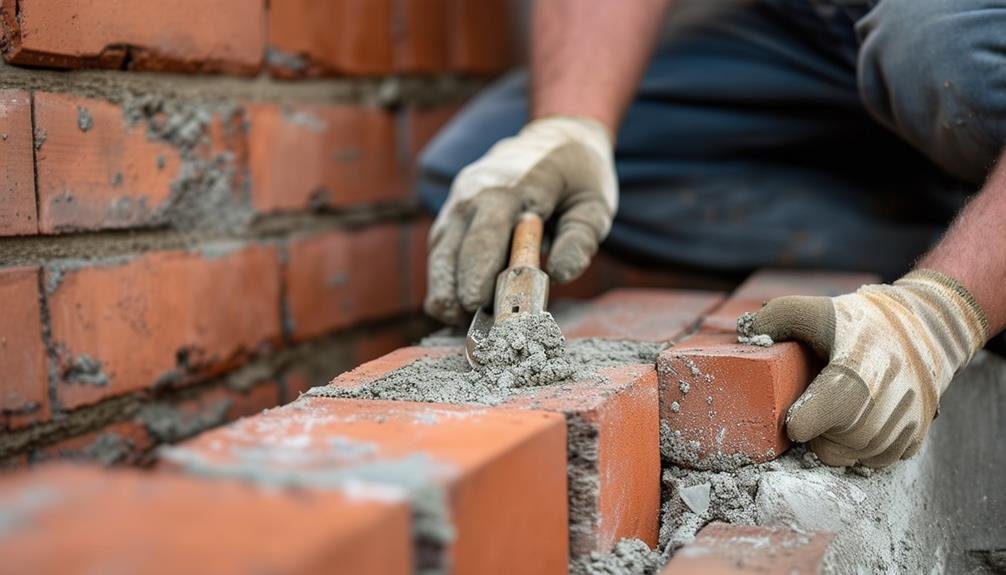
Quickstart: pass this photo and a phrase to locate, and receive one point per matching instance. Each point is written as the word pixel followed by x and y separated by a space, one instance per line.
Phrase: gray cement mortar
pixel 629 557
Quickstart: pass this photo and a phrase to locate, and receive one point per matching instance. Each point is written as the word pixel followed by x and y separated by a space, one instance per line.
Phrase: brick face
pixel 86 520
pixel 107 176
pixel 161 318
pixel 17 182
pixel 420 36
pixel 24 378
pixel 311 156
pixel 508 465
pixel 185 35
pixel 731 399
pixel 480 35
pixel 642 314
pixel 331 36
pixel 340 278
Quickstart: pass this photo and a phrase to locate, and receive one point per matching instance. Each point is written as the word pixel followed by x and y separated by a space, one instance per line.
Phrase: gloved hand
pixel 555 164
pixel 892 351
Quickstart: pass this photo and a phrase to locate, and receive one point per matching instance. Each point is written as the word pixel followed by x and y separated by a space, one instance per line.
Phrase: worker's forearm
pixel 587 56
pixel 973 251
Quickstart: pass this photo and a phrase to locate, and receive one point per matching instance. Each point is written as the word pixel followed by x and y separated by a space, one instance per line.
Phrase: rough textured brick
pixel 724 549
pixel 480 39
pixel 164 523
pixel 313 156
pixel 612 433
pixel 160 319
pixel 17 182
pixel 500 471
pixel 340 278
pixel 726 402
pixel 766 284
pixel 420 36
pixel 187 35
pixel 330 36
pixel 108 176
pixel 24 377
pixel 641 314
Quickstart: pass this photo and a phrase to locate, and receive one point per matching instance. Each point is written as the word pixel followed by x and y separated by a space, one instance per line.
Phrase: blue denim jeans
pixel 795 133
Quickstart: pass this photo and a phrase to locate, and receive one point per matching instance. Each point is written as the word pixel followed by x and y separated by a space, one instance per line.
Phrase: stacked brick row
pixel 466 488
pixel 173 259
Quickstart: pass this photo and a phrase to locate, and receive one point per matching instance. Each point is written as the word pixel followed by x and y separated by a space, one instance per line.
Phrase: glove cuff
pixel 960 298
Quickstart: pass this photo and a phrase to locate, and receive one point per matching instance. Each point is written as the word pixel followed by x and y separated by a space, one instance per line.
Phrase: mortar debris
pixel 746 334
pixel 628 557
pixel 524 350
pixel 449 378
pixel 84 119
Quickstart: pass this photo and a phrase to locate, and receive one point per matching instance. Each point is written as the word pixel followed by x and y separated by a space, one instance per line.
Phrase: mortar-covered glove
pixel 892 351
pixel 555 164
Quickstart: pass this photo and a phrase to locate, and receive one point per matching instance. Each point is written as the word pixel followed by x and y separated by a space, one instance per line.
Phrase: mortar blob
pixel 523 350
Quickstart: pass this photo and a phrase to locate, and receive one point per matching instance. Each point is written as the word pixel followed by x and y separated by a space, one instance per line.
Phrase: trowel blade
pixel 477 331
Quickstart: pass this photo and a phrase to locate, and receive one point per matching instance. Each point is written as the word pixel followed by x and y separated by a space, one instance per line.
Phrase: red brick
pixel 330 36
pixel 766 284
pixel 226 35
pixel 339 278
pixel 425 123
pixel 116 443
pixel 72 519
pixel 481 36
pixel 17 182
pixel 737 396
pixel 641 314
pixel 724 549
pixel 110 176
pixel 415 258
pixel 616 420
pixel 420 36
pixel 162 318
pixel 24 377
pixel 314 156
pixel 501 470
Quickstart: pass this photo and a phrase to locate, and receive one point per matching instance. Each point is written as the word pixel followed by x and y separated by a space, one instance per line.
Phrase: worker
pixel 840 134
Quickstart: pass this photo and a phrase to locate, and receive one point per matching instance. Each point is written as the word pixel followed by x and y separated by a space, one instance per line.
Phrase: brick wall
pixel 206 206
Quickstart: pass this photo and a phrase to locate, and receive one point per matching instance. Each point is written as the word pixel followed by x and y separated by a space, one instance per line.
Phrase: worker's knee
pixel 935 72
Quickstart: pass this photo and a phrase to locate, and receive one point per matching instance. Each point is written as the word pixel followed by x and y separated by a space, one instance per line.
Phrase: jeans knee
pixel 934 71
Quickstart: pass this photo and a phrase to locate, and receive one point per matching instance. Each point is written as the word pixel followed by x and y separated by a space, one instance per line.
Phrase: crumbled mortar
pixel 525 350
pixel 674 448
pixel 84 119
pixel 877 528
pixel 628 557
pixel 449 379
pixel 746 334
pixel 583 483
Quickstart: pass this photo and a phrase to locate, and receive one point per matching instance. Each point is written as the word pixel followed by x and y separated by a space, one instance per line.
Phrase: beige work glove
pixel 892 351
pixel 555 164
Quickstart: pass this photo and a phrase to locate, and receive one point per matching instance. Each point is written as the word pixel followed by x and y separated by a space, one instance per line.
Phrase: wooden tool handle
pixel 525 247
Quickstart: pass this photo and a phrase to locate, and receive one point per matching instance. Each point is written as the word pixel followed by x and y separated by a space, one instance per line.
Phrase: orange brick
pixel 163 318
pixel 480 39
pixel 724 549
pixel 24 377
pixel 500 471
pixel 330 36
pixel 340 278
pixel 766 284
pixel 322 156
pixel 110 175
pixel 425 123
pixel 227 35
pixel 641 314
pixel 612 429
pixel 726 402
pixel 17 182
pixel 420 36
pixel 69 519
